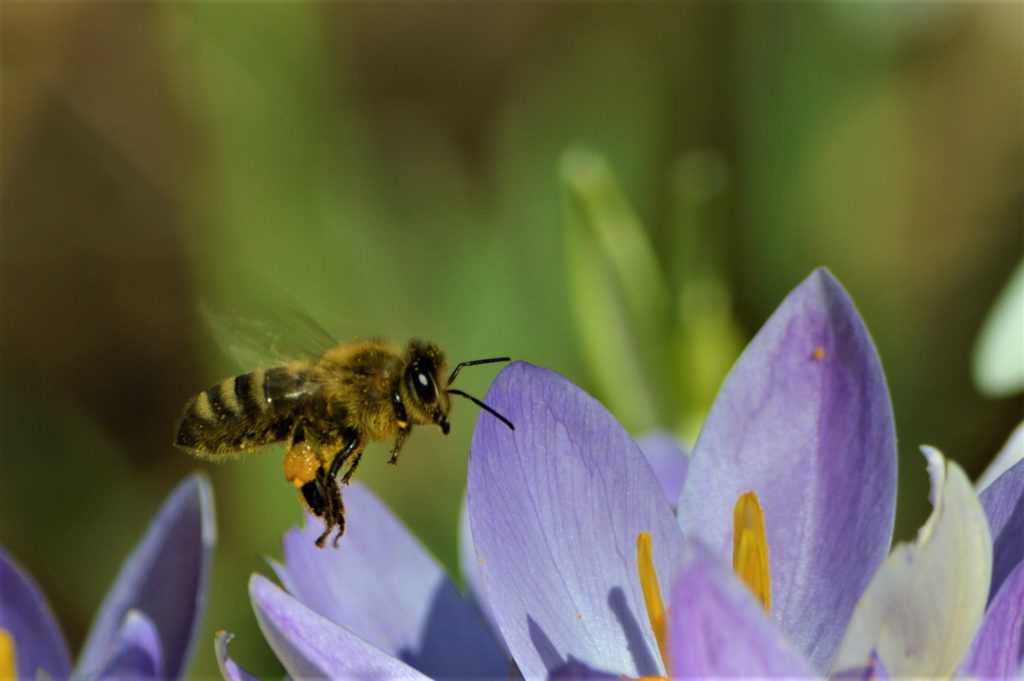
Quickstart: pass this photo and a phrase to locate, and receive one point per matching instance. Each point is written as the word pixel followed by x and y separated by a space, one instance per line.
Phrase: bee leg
pixel 399 441
pixel 320 502
pixel 323 495
pixel 352 468
pixel 338 519
pixel 344 453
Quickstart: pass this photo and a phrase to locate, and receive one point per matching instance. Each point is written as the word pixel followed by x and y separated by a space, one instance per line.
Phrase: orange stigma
pixel 652 594
pixel 750 548
pixel 8 667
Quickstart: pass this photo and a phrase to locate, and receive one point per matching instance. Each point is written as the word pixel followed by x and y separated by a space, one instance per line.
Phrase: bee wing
pixel 265 329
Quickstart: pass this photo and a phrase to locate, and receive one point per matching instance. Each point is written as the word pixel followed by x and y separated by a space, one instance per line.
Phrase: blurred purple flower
pixel 380 606
pixel 669 461
pixel 146 625
pixel 556 508
pixel 997 650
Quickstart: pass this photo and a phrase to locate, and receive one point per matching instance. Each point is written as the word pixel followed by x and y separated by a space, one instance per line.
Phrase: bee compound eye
pixel 424 387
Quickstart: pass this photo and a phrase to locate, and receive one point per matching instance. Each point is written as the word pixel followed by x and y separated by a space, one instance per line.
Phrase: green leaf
pixel 620 300
pixel 708 338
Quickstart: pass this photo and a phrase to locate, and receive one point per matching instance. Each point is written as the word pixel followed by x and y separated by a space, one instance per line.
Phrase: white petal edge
pixel 924 605
pixel 1011 453
pixel 999 353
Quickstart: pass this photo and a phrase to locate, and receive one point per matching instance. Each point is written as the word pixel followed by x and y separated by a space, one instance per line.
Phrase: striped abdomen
pixel 243 413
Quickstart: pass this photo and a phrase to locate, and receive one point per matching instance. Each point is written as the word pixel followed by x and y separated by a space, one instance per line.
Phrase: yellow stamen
pixel 819 354
pixel 8 668
pixel 652 593
pixel 750 548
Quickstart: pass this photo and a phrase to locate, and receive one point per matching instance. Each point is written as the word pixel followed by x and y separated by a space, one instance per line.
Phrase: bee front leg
pixel 399 441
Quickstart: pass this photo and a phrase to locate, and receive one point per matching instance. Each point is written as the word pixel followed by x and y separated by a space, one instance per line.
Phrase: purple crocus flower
pixel 803 420
pixel 380 606
pixel 574 541
pixel 146 625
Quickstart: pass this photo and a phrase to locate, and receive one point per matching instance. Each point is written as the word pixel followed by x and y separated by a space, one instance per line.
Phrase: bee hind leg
pixel 353 450
pixel 323 497
pixel 352 468
pixel 337 519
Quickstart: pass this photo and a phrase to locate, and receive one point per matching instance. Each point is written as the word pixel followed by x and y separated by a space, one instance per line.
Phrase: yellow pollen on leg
pixel 8 667
pixel 652 593
pixel 750 548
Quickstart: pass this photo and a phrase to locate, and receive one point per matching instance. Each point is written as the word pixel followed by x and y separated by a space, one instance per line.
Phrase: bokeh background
pixel 435 169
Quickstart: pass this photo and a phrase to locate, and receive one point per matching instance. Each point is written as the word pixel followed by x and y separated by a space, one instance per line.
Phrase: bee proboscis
pixel 327 410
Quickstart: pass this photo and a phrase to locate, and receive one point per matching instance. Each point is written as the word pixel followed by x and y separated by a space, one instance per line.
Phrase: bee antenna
pixel 480 404
pixel 451 379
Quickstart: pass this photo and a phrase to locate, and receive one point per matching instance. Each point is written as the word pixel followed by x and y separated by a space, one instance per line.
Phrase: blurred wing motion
pixel 264 328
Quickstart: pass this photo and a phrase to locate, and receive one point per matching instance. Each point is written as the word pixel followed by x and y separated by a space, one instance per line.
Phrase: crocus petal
pixel 717 628
pixel 872 670
pixel 469 565
pixel 26 617
pixel 382 585
pixel 164 577
pixel 556 507
pixel 574 669
pixel 135 652
pixel 1003 502
pixel 804 421
pixel 309 645
pixel 228 669
pixel 998 648
pixel 1008 456
pixel 668 459
pixel 921 610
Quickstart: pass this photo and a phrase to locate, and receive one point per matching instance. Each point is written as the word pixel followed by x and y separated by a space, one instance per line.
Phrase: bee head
pixel 428 394
pixel 426 399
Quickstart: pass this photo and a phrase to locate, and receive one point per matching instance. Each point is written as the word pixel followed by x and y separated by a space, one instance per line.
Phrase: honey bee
pixel 327 409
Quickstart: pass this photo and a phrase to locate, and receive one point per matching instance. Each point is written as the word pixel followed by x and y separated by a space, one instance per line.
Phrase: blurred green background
pixel 414 169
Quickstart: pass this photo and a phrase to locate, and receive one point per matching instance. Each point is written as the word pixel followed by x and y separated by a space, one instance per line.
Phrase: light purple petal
pixel 668 459
pixel 997 651
pixel 26 616
pixel 469 564
pixel 556 507
pixel 804 420
pixel 135 651
pixel 164 577
pixel 382 585
pixel 228 669
pixel 1003 502
pixel 716 628
pixel 309 645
